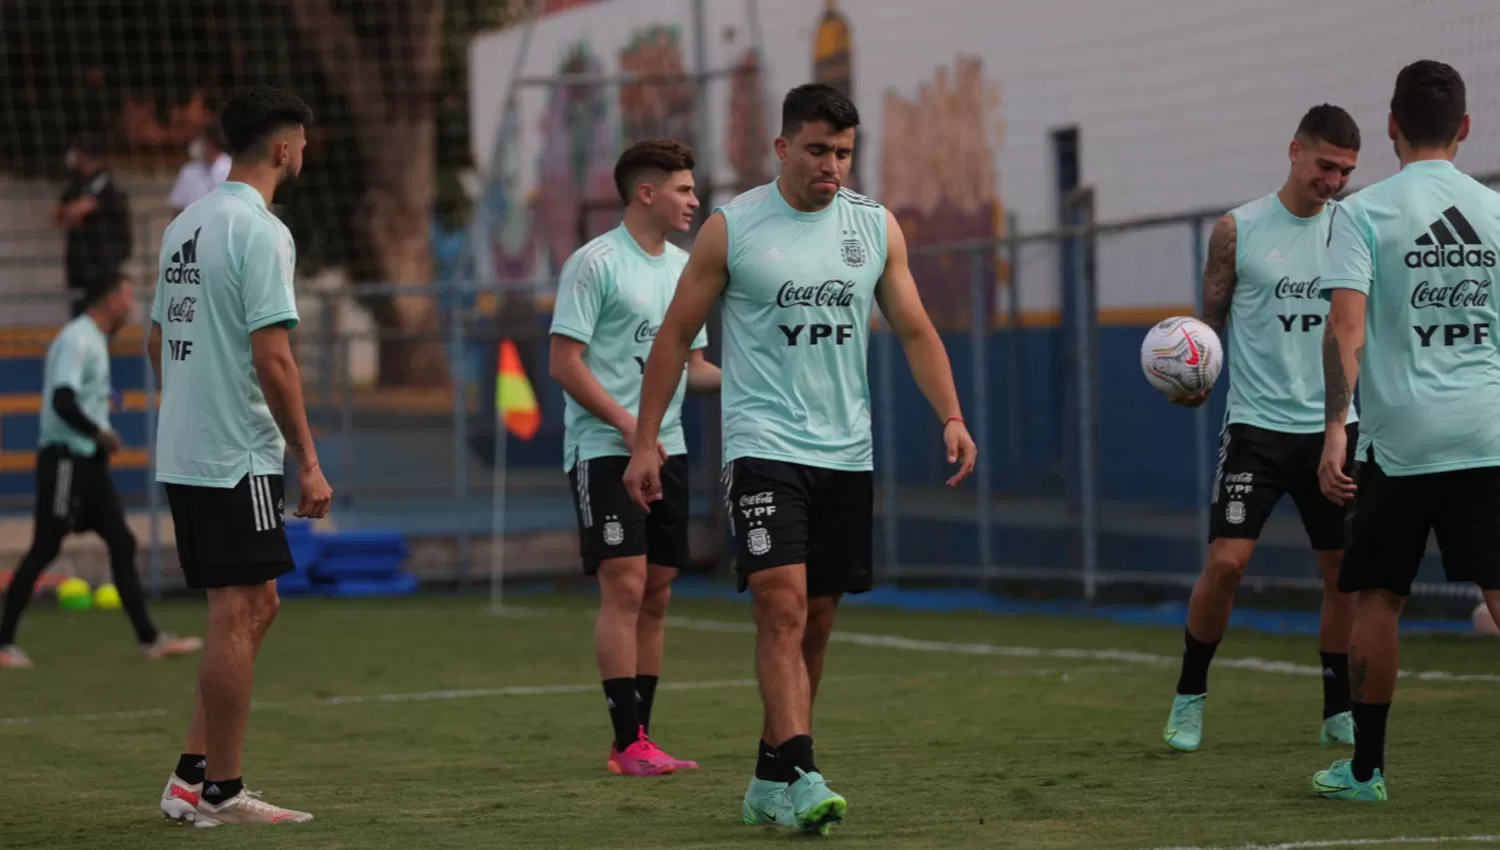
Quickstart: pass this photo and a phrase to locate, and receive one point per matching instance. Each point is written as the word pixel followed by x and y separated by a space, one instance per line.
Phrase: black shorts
pixel 782 513
pixel 231 536
pixel 1256 467
pixel 74 493
pixel 1394 515
pixel 612 525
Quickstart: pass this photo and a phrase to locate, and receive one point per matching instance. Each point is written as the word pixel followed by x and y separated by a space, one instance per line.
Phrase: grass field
pixel 432 723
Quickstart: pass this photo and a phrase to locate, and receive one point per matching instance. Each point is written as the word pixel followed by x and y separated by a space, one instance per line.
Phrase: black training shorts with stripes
pixel 75 493
pixel 231 536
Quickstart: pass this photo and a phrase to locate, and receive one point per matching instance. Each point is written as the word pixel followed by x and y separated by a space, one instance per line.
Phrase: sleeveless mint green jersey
pixel 612 297
pixel 77 359
pixel 1423 245
pixel 1277 318
pixel 796 321
pixel 226 272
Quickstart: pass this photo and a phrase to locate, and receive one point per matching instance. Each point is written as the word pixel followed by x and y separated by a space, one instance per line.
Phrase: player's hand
pixel 628 432
pixel 643 477
pixel 109 442
pixel 1193 400
pixel 317 496
pixel 961 450
pixel 1338 487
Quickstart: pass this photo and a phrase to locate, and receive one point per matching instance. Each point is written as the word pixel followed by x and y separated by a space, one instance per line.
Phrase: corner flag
pixel 515 402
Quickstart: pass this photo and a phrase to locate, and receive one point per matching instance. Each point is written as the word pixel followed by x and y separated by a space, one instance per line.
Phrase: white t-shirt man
pixel 197 179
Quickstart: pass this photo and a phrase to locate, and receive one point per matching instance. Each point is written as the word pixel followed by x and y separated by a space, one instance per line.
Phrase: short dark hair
pixel 252 114
pixel 216 136
pixel 1328 123
pixel 649 155
pixel 1429 103
pixel 816 102
pixel 96 294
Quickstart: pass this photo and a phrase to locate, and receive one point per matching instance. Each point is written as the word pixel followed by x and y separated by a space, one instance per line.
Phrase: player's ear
pixel 1463 127
pixel 1390 127
pixel 782 148
pixel 1293 149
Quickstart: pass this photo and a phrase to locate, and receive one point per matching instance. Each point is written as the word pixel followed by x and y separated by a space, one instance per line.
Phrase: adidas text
pixel 1450 258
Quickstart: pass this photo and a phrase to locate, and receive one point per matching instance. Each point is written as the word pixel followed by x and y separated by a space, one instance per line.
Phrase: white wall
pixel 1181 104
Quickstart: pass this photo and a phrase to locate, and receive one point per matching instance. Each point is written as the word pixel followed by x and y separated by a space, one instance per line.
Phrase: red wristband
pixel 952 419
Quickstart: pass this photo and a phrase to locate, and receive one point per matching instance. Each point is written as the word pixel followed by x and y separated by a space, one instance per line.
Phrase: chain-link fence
pixel 1087 478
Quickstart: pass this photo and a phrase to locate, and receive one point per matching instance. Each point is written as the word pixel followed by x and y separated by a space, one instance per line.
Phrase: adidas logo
pixel 1447 245
pixel 184 267
pixel 1274 256
pixel 772 254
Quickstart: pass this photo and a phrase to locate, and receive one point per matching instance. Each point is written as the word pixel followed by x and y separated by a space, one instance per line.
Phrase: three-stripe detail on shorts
pixel 62 492
pixel 262 504
pixel 585 509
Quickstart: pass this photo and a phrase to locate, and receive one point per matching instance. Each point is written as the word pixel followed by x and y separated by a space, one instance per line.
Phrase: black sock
pixel 1369 738
pixel 190 768
pixel 620 696
pixel 1335 683
pixel 645 692
pixel 797 752
pixel 1196 656
pixel 770 766
pixel 216 791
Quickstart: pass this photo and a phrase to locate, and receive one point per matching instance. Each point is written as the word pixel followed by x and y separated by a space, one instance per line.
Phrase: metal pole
pixel 887 351
pixel 1017 375
pixel 456 372
pixel 1200 413
pixel 346 416
pixel 979 316
pixel 1082 328
pixel 153 491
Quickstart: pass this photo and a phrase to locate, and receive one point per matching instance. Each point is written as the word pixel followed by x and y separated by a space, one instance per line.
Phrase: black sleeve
pixel 66 405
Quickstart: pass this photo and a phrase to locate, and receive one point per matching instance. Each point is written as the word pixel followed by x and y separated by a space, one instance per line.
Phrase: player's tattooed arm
pixel 1219 274
pixel 1343 343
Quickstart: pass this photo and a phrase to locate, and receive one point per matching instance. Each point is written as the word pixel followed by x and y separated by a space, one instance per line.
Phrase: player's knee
pixel 1228 567
pixel 781 611
pixel 264 606
pixel 622 586
pixel 654 605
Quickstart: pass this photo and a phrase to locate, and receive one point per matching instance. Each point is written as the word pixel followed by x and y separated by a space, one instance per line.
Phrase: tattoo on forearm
pixel 1335 379
pixel 1359 671
pixel 288 428
pixel 1219 274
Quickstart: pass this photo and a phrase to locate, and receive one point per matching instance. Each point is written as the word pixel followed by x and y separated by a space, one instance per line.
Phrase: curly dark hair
pixel 252 114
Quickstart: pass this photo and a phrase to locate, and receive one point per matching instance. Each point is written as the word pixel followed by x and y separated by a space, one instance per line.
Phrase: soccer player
pixel 74 490
pixel 797 262
pixel 1413 312
pixel 611 298
pixel 1265 259
pixel 231 407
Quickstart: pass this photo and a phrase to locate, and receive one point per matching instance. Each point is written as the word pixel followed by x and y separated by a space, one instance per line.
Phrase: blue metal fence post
pixel 153 492
pixel 887 412
pixel 457 373
pixel 979 323
pixel 1200 413
pixel 1084 319
pixel 1017 375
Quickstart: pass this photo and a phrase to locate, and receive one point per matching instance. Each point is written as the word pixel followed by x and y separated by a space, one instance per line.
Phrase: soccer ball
pixel 1181 357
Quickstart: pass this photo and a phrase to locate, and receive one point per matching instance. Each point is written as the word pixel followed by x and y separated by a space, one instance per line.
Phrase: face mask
pixel 195 150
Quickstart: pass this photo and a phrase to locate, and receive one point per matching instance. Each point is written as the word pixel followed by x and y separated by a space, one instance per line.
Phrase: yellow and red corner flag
pixel 515 402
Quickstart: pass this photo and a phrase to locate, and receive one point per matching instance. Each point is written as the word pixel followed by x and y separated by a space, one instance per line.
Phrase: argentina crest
pixel 854 253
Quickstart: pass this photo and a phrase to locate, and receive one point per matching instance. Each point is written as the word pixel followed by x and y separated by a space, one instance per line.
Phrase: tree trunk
pixel 391 88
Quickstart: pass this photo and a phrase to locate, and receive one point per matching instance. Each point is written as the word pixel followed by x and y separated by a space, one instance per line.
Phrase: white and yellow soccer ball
pixel 1181 357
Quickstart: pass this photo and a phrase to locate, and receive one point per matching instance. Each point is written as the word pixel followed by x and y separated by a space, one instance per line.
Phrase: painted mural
pixel 933 145
pixel 938 177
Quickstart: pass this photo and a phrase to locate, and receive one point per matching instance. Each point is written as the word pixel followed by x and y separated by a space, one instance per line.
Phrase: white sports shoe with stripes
pixel 245 809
